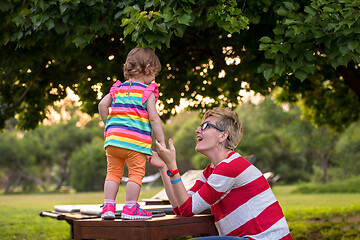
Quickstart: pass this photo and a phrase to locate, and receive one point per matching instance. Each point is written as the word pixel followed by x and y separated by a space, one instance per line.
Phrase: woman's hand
pixel 167 155
pixel 156 161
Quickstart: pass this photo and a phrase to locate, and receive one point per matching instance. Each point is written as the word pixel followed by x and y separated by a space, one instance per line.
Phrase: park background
pixel 289 68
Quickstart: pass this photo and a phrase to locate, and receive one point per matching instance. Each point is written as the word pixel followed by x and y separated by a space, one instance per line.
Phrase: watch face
pixel 169 173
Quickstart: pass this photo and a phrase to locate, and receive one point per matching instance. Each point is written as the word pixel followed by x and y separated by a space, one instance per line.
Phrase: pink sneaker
pixel 135 212
pixel 108 211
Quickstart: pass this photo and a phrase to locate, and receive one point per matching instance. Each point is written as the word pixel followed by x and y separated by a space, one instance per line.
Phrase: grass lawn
pixel 310 216
pixel 320 216
pixel 19 213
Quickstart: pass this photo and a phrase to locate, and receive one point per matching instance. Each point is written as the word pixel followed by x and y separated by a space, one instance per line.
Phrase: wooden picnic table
pixel 156 228
pixel 85 223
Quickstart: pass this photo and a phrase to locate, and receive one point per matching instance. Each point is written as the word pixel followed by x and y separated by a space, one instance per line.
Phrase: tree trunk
pixel 64 165
pixel 22 173
pixel 36 180
pixel 324 163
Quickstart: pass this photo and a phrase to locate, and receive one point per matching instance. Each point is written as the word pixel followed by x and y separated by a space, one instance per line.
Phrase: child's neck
pixel 137 79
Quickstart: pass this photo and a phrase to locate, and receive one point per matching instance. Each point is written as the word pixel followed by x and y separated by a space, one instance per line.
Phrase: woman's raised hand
pixel 167 155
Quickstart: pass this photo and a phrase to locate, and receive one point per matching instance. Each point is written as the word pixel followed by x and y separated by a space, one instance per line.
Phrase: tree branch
pixel 42 67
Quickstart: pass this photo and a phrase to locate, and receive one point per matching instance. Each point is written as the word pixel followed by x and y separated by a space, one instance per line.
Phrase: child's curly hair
pixel 141 61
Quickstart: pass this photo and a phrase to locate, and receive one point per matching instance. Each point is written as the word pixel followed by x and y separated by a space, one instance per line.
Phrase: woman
pixel 240 198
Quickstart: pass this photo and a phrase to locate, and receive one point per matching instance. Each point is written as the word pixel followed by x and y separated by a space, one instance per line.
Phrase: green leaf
pixel 310 10
pixel 264 46
pixel 17 36
pixel 50 24
pixel 282 12
pixel 279 29
pixel 129 29
pixel 43 5
pixel 128 9
pixel 125 21
pixel 328 9
pixel 352 44
pixel 265 40
pixel 167 40
pixel 290 21
pixel 179 30
pixel 310 19
pixel 343 50
pixel 167 17
pixel 150 24
pixel 63 8
pixel 151 37
pixel 309 68
pixel 149 4
pixel 285 47
pixel 60 28
pixel 279 69
pixel 289 5
pixel 268 73
pixel 274 48
pixel 301 75
pixel 162 27
pixel 262 67
pixel 118 14
pixel 297 30
pixel 18 20
pixel 344 60
pixel 79 41
pixel 295 65
pixel 184 19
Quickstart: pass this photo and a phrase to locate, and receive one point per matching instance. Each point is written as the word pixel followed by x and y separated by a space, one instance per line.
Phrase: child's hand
pixel 156 161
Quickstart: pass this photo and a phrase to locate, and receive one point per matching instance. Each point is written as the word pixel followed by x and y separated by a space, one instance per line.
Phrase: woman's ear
pixel 224 135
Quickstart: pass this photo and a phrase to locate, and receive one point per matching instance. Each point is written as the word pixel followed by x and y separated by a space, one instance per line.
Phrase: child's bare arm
pixel 155 120
pixel 103 107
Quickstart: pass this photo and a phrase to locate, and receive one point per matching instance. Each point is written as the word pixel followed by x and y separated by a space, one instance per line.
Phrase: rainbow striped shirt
pixel 127 125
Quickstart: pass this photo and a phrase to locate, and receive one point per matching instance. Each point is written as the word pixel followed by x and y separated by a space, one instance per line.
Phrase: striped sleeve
pixel 200 182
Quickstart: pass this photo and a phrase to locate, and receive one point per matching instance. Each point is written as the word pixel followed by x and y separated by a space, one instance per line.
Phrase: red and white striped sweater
pixel 240 199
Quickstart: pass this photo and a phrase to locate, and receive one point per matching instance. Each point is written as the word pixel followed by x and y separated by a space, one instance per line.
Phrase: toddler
pixel 128 130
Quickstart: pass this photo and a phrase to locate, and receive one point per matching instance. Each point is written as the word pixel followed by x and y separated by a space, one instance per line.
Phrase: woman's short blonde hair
pixel 141 61
pixel 228 121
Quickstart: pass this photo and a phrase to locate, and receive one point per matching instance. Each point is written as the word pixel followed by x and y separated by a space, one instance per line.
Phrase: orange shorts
pixel 116 158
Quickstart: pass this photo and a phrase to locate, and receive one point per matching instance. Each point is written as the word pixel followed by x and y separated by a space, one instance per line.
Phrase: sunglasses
pixel 206 125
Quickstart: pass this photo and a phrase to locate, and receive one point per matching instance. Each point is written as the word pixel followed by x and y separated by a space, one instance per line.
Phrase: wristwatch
pixel 171 173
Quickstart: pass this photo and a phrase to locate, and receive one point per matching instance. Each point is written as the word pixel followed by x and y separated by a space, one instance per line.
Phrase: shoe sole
pixel 107 216
pixel 131 217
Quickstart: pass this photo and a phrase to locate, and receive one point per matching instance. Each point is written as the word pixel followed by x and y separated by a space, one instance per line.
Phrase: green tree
pixel 185 141
pixel 347 151
pixel 208 49
pixel 265 128
pixel 40 159
pixel 314 146
pixel 317 42
pixel 24 160
pixel 88 166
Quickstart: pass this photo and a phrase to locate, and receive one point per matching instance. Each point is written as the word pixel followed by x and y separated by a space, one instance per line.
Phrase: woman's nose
pixel 197 130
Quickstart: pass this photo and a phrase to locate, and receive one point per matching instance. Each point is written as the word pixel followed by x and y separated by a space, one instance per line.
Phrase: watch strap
pixel 172 172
